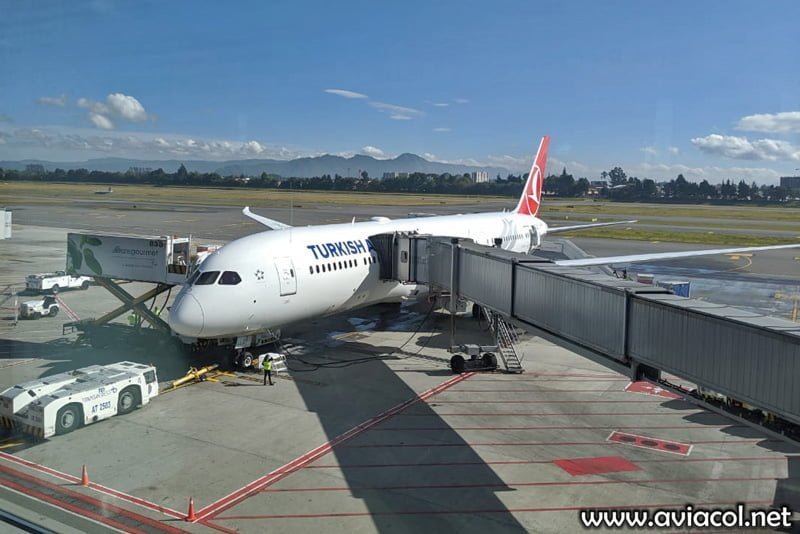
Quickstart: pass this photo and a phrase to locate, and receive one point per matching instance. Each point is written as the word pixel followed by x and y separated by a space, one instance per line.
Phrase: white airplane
pixel 290 274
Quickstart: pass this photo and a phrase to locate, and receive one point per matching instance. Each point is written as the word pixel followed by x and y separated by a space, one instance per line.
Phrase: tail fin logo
pixel 531 197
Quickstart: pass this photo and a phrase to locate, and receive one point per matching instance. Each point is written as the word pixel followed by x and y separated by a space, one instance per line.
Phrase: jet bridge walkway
pixel 752 358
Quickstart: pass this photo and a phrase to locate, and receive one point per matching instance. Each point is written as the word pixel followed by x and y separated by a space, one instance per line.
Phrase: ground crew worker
pixel 267 365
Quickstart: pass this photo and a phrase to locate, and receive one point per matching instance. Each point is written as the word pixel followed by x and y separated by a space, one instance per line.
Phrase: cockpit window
pixel 207 278
pixel 192 278
pixel 229 278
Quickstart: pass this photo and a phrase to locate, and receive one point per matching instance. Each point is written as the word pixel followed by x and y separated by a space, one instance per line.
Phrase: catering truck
pixel 61 403
pixel 55 282
pixel 155 259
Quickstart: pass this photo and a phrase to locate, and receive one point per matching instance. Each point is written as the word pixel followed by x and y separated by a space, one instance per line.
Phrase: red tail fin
pixel 532 194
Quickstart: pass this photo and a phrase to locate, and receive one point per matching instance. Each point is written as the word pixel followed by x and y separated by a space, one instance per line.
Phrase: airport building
pixel 791 182
pixel 480 177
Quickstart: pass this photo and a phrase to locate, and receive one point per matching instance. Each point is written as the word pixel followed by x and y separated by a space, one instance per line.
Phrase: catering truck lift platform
pixel 109 258
pixel 165 261
pixel 61 403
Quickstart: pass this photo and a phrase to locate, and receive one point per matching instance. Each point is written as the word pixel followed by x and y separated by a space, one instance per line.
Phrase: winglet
pixel 532 194
pixel 269 223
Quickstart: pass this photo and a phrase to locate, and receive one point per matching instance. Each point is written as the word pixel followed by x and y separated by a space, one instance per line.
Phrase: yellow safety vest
pixel 267 364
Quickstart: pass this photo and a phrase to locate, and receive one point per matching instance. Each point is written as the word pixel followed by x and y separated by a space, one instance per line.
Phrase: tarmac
pixel 369 431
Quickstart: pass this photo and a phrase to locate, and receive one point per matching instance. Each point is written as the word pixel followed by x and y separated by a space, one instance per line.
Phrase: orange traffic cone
pixel 84 477
pixel 190 516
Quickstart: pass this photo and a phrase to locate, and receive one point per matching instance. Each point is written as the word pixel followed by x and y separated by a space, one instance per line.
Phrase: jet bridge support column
pixel 453 288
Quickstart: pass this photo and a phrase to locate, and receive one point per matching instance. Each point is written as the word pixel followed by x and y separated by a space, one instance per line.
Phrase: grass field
pixel 555 208
pixel 47 192
pixel 669 236
pixel 558 212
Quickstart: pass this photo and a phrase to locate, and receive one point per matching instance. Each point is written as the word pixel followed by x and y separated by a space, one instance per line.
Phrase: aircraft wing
pixel 634 258
pixel 269 223
pixel 559 229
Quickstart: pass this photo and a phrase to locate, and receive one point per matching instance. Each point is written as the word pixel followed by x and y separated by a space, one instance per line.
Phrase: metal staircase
pixel 506 337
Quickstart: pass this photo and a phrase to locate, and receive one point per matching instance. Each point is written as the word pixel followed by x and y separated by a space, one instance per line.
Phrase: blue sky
pixel 710 89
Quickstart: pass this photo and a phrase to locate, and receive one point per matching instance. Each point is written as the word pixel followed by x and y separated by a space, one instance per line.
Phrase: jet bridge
pixel 752 358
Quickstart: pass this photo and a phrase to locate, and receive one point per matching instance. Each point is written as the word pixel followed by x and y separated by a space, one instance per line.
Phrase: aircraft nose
pixel 186 316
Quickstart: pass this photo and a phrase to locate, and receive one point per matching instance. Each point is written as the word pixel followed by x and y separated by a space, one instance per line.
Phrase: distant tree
pixel 649 189
pixel 617 176
pixel 706 190
pixel 581 187
pixel 743 191
pixel 364 175
pixel 727 190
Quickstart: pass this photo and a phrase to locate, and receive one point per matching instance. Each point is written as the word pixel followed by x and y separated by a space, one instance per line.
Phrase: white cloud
pixel 59 143
pixel 396 112
pixel 118 105
pixel 441 129
pixel 252 147
pixel 441 104
pixel 429 156
pixel 784 122
pixel 461 101
pixel 674 150
pixel 735 147
pixel 345 93
pixel 649 150
pixel 127 107
pixel 372 151
pixel 101 121
pixel 56 101
pixel 96 107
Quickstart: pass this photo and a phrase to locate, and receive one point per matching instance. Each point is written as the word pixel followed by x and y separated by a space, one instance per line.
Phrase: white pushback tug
pixel 64 402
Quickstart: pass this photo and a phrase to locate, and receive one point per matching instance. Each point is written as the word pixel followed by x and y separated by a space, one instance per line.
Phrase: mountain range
pixel 299 168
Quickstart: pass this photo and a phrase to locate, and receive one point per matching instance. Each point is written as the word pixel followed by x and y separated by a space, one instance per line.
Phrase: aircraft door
pixel 287 277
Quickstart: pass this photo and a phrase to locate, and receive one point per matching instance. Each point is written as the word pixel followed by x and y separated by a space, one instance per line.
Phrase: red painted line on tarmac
pixel 541 443
pixel 66 506
pixel 598 379
pixel 97 487
pixel 536 375
pixel 526 462
pixel 541 401
pixel 525 484
pixel 494 510
pixel 575 427
pixel 259 484
pixel 536 391
pixel 582 414
pixel 79 496
pixel 209 524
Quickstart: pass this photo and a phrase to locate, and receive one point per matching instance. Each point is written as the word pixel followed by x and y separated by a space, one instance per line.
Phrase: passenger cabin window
pixel 229 278
pixel 207 278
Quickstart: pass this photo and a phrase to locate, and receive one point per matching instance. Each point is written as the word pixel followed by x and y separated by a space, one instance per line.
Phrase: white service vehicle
pixel 54 282
pixel 61 403
pixel 34 309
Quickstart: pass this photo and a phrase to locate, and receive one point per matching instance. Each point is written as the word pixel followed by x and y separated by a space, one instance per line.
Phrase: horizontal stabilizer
pixel 560 229
pixel 636 258
pixel 269 223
